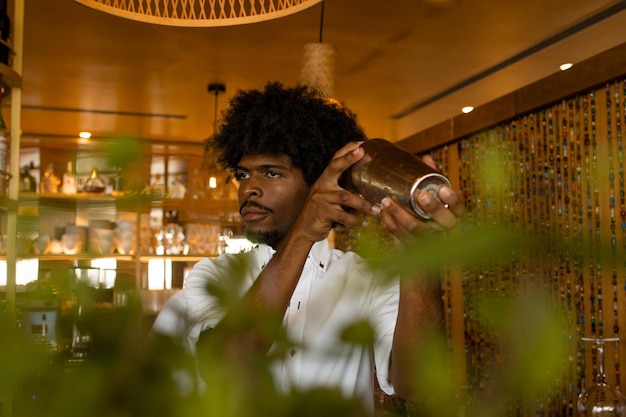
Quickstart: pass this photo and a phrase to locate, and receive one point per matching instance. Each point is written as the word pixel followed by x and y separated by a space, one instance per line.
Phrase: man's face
pixel 271 193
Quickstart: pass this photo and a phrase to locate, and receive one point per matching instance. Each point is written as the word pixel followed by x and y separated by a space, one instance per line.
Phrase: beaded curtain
pixel 561 179
pixel 560 174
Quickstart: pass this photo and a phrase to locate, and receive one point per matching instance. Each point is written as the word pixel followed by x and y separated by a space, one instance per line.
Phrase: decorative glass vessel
pixel 599 399
pixel 94 184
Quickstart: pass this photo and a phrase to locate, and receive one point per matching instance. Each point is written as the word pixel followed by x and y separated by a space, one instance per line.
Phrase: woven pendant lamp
pixel 318 68
pixel 199 13
pixel 318 64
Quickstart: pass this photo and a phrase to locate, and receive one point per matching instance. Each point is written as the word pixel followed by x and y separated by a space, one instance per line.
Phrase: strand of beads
pixel 563 237
pixel 563 198
pixel 595 226
pixel 622 203
pixel 611 90
pixel 577 206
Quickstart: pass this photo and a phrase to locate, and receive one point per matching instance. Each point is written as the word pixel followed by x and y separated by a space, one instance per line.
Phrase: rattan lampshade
pixel 318 68
pixel 199 13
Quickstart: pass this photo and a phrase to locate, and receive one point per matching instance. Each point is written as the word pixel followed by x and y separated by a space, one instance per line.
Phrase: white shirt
pixel 336 289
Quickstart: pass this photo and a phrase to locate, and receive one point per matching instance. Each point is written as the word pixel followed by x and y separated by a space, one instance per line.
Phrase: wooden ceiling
pixel 401 65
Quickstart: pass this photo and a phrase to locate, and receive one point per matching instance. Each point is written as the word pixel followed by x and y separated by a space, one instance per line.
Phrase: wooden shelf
pixel 116 256
pixel 55 200
pixel 76 257
pixel 173 258
pixel 126 200
pixel 7 204
pixel 9 79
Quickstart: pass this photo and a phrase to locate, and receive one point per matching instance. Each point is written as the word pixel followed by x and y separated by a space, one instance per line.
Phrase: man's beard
pixel 267 237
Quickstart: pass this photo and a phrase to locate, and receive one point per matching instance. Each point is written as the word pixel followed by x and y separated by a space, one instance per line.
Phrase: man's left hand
pixel 443 212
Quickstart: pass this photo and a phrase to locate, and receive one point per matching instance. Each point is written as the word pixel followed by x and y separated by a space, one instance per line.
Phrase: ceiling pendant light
pixel 211 192
pixel 216 176
pixel 199 13
pixel 318 66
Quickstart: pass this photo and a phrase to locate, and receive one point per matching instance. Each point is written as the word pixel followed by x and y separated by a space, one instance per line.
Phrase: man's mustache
pixel 255 205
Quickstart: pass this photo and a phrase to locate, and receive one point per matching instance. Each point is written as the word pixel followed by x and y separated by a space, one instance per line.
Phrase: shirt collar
pixel 320 254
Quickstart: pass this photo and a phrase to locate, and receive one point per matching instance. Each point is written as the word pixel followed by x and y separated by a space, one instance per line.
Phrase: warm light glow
pixel 159 274
pixel 84 135
pixel 467 109
pixel 26 270
pixel 108 271
pixel 212 182
pixel 566 66
pixel 237 245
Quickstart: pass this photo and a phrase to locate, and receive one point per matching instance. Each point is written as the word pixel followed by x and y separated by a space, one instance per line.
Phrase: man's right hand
pixel 327 200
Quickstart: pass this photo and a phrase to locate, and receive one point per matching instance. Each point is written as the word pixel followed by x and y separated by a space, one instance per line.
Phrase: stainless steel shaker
pixel 388 171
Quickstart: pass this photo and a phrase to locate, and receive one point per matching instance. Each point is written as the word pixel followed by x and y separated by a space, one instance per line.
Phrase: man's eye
pixel 241 176
pixel 273 174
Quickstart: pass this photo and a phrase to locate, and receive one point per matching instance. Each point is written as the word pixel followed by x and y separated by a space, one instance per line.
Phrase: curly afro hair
pixel 293 121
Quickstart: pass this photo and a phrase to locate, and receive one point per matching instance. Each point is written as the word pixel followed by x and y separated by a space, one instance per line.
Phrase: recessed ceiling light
pixel 467 109
pixel 566 66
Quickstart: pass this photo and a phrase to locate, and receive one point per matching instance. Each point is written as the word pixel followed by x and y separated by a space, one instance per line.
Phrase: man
pixel 287 148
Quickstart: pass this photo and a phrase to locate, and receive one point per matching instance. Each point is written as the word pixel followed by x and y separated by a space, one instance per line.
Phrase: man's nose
pixel 250 187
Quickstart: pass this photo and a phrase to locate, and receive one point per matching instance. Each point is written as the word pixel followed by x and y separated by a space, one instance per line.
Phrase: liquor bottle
pixel 157 188
pixel 94 183
pixel 50 182
pixel 117 183
pixel 177 188
pixel 27 181
pixel 68 185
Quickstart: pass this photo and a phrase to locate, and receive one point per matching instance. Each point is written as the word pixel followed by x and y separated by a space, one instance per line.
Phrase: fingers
pixel 452 200
pixel 328 203
pixel 400 222
pixel 440 216
pixel 443 212
pixel 347 148
pixel 429 161
pixel 344 158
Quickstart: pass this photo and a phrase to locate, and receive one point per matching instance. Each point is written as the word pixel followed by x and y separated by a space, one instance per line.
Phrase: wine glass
pixel 601 400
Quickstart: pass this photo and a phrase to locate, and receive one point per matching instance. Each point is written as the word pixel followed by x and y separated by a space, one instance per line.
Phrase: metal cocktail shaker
pixel 388 171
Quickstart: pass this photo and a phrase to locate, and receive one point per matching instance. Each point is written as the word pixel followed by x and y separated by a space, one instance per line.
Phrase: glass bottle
pixel 94 183
pixel 117 183
pixel 157 188
pixel 177 188
pixel 68 185
pixel 50 182
pixel 27 181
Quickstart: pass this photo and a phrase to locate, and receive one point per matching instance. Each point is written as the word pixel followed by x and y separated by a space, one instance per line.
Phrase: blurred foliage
pixel 124 151
pixel 131 372
pixel 138 374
